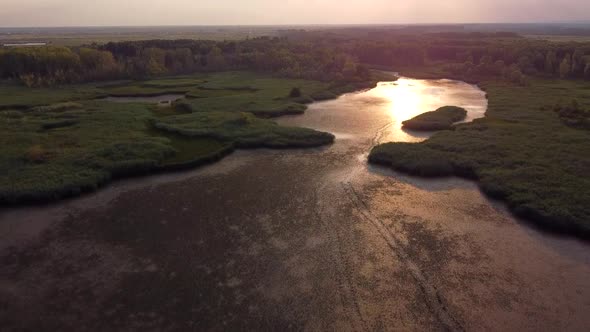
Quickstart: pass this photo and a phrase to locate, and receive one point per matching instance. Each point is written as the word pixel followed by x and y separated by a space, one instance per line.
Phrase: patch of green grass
pixel 441 119
pixel 521 152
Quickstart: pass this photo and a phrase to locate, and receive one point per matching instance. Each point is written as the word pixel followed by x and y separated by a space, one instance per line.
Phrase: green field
pixel 521 152
pixel 59 142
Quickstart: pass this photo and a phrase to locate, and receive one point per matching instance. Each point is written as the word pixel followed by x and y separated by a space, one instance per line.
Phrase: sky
pixel 41 13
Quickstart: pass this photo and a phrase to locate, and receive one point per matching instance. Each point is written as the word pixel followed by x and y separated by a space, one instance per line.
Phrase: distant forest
pixel 321 55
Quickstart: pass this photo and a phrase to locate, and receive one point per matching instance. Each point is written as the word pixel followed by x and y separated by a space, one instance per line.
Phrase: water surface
pixel 392 103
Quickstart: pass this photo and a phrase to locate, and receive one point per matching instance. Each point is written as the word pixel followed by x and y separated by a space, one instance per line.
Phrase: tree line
pixel 469 55
pixel 333 55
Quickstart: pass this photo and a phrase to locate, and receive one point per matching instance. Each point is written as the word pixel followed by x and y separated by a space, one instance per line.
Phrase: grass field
pixel 59 142
pixel 521 152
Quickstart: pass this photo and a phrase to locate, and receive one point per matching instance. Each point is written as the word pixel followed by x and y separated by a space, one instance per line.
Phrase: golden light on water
pixel 380 111
pixel 407 98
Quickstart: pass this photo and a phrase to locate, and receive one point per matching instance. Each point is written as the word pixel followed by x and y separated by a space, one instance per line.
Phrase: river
pixel 310 239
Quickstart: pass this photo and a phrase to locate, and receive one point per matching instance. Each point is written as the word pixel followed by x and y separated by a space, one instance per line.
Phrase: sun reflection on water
pixel 406 101
pixel 377 114
pixel 407 98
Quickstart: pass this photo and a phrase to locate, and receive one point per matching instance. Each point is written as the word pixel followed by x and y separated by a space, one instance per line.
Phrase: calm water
pixel 317 239
pixel 391 103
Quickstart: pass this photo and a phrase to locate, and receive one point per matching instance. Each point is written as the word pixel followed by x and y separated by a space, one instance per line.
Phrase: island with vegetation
pixel 440 119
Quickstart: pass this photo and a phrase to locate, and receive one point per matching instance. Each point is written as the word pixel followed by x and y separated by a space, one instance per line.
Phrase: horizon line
pixel 293 25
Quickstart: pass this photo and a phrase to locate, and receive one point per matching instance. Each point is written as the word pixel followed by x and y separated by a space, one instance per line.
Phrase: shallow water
pixel 313 239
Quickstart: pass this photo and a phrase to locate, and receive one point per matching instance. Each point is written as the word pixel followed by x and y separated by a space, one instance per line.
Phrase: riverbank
pixel 521 153
pixel 62 142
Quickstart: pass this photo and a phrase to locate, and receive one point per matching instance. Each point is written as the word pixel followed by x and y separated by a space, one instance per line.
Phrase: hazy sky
pixel 228 12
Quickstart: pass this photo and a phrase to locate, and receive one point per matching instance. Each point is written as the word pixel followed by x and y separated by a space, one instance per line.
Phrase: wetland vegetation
pixel 61 141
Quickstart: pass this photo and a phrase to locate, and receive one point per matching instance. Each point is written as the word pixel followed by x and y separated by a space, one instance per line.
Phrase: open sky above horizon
pixel 22 13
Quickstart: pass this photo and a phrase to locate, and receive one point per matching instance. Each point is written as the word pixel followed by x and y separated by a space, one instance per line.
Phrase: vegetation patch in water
pixel 441 119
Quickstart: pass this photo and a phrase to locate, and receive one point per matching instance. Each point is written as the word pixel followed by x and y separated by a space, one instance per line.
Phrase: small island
pixel 441 119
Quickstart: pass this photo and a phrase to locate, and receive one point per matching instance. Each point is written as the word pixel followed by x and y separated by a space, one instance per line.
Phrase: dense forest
pixel 319 55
